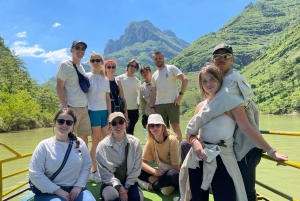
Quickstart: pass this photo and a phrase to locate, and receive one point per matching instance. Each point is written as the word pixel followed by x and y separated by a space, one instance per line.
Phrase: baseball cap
pixel 114 115
pixel 223 46
pixel 155 119
pixel 75 42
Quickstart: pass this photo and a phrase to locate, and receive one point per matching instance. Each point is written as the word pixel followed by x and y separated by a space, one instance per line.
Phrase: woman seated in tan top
pixel 163 148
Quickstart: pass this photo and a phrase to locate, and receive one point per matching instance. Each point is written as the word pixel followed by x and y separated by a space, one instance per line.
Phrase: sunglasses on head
pixel 78 48
pixel 62 121
pixel 95 60
pixel 132 66
pixel 154 125
pixel 110 67
pixel 225 56
pixel 114 123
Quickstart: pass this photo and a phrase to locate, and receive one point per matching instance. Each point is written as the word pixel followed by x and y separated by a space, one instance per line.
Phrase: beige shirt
pixel 165 81
pixel 168 151
pixel 108 159
pixel 67 73
pixel 145 98
pixel 131 88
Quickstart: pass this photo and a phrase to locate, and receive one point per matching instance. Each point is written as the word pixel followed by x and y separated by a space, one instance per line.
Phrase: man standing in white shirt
pixel 69 92
pixel 165 99
pixel 131 88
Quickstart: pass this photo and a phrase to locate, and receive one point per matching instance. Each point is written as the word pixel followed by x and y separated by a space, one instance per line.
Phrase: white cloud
pixel 22 34
pixel 21 48
pixel 55 56
pixel 56 24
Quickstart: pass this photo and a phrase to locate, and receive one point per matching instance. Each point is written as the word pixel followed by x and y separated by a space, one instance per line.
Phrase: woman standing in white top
pixel 99 107
pixel 221 129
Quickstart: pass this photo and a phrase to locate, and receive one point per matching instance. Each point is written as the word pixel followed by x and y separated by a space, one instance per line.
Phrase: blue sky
pixel 41 32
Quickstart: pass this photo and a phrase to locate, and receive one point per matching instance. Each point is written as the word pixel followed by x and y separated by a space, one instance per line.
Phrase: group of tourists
pixel 221 151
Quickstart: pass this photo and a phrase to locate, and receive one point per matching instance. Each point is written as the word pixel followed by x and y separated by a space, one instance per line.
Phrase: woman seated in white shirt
pixel 48 156
pixel 119 158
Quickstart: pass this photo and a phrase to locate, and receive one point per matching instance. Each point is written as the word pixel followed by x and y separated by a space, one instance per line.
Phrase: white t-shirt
pixel 67 73
pixel 97 91
pixel 165 81
pixel 131 89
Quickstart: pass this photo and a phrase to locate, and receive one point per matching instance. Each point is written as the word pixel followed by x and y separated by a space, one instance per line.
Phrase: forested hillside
pixel 252 31
pixel 274 77
pixel 24 103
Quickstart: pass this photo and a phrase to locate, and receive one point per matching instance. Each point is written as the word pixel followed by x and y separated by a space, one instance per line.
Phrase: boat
pixel 23 187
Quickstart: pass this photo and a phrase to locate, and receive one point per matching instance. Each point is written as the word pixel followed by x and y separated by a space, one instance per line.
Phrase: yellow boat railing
pixel 19 156
pixel 16 157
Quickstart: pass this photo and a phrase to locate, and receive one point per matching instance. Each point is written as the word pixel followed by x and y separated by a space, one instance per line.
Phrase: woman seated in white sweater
pixel 48 156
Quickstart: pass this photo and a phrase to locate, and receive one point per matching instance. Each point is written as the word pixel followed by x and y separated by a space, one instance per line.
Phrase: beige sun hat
pixel 114 115
pixel 155 119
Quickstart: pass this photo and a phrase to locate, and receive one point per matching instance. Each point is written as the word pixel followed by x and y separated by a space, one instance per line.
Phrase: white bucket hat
pixel 155 119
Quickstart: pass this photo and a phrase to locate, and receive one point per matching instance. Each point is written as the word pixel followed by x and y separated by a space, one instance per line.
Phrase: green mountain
pixel 250 33
pixel 140 40
pixel 275 75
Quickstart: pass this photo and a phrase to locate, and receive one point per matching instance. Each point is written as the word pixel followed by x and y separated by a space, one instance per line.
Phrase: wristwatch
pixel 271 151
pixel 126 187
pixel 151 107
pixel 180 93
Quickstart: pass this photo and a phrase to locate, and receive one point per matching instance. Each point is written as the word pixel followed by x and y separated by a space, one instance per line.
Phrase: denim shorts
pixel 98 118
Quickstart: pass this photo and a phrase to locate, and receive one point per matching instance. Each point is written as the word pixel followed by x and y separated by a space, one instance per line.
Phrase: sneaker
pixel 176 199
pixel 144 185
pixel 94 177
pixel 167 190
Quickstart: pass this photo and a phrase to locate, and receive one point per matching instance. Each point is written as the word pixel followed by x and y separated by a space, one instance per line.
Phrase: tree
pixel 17 108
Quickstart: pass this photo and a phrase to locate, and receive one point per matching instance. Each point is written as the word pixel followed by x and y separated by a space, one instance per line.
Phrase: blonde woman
pixel 163 148
pixel 99 107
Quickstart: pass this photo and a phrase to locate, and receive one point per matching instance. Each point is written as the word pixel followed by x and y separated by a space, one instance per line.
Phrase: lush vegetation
pixel 252 31
pixel 274 76
pixel 24 103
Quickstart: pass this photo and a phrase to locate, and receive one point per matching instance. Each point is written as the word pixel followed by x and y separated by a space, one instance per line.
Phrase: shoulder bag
pixel 120 107
pixel 37 191
pixel 83 80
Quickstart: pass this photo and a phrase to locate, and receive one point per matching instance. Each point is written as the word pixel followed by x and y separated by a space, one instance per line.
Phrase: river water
pixel 285 179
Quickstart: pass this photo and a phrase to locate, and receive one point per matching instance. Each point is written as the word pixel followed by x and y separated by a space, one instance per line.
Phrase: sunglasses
pixel 225 56
pixel 132 66
pixel 78 48
pixel 114 123
pixel 95 60
pixel 110 67
pixel 154 125
pixel 62 121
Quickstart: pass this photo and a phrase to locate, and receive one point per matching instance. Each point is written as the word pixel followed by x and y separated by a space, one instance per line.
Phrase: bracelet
pixel 271 151
pixel 191 139
pixel 151 107
pixel 123 192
